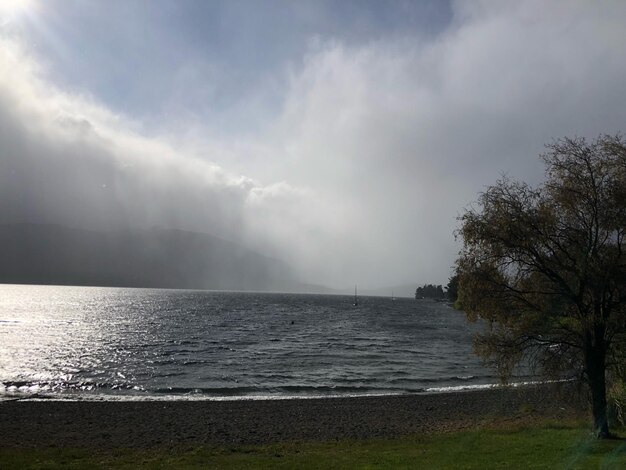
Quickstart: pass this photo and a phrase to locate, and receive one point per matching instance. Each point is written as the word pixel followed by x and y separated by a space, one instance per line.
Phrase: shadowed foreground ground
pixel 175 423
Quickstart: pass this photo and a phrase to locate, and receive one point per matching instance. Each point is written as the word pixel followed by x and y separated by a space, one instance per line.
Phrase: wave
pixel 296 393
pixel 274 384
pixel 461 388
pixel 17 389
pixel 113 392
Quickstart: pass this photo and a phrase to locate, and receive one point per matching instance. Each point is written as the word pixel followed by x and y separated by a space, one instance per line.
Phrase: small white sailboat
pixel 356 302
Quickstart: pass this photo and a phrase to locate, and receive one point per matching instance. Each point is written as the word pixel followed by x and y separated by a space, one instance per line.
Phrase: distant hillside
pixel 51 254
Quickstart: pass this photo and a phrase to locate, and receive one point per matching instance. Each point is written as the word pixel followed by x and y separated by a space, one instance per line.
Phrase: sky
pixel 342 137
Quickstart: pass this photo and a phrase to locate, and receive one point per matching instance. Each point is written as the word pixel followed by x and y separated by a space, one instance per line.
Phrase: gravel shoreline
pixel 175 423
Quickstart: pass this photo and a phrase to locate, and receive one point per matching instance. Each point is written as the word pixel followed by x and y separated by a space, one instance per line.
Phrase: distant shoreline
pixel 113 424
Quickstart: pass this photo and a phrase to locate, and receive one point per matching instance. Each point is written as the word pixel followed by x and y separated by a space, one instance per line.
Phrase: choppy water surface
pixel 78 342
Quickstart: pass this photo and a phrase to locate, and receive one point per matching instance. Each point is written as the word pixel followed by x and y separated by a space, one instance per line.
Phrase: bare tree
pixel 546 267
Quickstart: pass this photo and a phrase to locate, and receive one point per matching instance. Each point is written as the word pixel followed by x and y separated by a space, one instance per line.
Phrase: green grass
pixel 546 446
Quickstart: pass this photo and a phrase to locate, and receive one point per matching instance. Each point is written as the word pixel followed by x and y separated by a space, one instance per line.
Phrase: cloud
pixel 377 145
pixel 67 159
pixel 405 131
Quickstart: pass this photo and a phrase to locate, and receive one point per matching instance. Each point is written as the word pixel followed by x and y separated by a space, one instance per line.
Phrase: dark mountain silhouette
pixel 52 254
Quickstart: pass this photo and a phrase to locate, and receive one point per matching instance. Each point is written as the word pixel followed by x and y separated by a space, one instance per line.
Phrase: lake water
pixel 109 343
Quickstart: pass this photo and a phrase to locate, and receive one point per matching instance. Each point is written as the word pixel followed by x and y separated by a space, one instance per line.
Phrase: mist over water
pixel 88 342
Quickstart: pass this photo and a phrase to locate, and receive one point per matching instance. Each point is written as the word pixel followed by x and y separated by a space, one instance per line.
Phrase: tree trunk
pixel 596 368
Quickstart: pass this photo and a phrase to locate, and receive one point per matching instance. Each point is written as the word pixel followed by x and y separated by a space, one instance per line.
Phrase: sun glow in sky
pixel 15 7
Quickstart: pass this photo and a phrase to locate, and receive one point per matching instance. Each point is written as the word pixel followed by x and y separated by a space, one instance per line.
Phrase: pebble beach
pixel 145 424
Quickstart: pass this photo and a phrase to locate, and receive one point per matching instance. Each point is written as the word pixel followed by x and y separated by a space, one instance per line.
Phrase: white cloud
pixel 68 159
pixel 377 148
pixel 404 133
